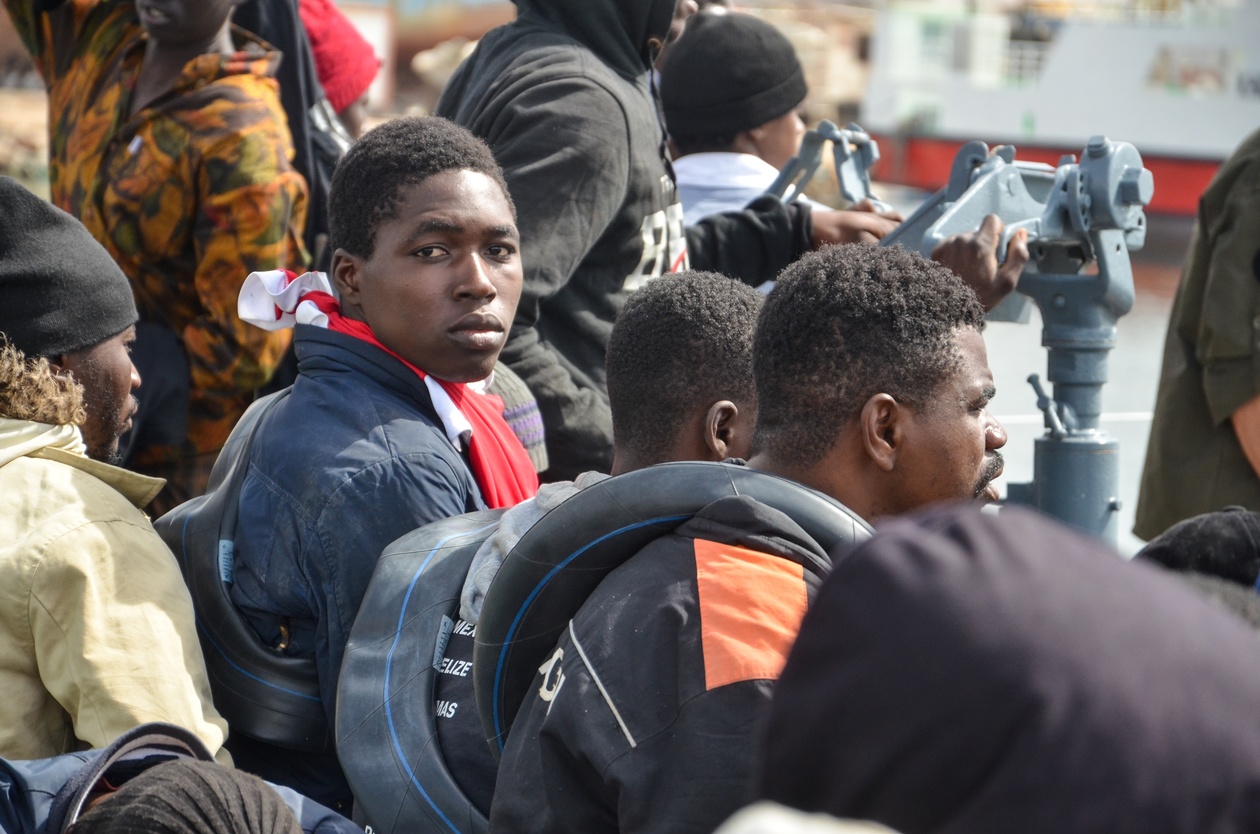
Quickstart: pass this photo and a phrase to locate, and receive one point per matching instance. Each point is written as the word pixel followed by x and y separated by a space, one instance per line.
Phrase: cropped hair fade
pixel 845 323
pixel 680 344
pixel 368 179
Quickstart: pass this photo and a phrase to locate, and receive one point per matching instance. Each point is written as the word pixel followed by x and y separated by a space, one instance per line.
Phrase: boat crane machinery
pixel 1082 218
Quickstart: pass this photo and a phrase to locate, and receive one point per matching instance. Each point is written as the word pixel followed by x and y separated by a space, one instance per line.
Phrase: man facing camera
pixel 388 426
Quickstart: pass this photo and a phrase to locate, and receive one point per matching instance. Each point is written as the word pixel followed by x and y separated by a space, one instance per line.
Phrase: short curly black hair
pixel 680 344
pixel 367 180
pixel 843 324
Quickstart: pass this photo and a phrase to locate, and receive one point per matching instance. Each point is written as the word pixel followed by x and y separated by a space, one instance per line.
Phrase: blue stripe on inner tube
pixel 389 659
pixel 498 671
pixel 205 631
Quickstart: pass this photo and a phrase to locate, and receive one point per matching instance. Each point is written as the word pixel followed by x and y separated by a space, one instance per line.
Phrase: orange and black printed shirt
pixel 189 195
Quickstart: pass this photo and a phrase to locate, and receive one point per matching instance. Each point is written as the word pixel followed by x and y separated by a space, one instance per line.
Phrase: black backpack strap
pixel 261 694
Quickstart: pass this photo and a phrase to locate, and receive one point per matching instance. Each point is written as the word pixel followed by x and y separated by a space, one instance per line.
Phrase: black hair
pixel 680 344
pixel 367 180
pixel 705 143
pixel 843 324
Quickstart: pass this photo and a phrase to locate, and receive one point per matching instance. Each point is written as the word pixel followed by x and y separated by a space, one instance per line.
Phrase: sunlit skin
pixel 109 381
pixel 178 31
pixel 893 457
pixel 443 280
pixel 723 430
pixel 776 141
pixel 951 443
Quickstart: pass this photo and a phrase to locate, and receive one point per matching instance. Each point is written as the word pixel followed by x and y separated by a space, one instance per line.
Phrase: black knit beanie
pixel 190 797
pixel 59 289
pixel 1225 543
pixel 729 73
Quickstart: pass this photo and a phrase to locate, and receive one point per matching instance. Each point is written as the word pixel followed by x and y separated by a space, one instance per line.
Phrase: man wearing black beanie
pixel 64 299
pixel 730 90
pixel 96 626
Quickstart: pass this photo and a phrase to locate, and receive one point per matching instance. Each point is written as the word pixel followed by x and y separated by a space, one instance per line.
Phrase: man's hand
pixel 859 224
pixel 973 257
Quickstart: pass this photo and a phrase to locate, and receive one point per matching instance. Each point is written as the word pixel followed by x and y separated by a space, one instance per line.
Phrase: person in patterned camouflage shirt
pixel 169 143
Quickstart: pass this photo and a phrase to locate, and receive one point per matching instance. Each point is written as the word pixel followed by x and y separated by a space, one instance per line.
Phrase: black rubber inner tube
pixel 561 559
pixel 261 694
pixel 386 727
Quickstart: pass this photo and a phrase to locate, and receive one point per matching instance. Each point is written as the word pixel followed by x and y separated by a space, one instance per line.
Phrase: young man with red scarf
pixel 386 428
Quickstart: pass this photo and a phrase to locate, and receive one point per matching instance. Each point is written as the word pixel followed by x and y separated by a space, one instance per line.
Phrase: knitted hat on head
pixel 59 289
pixel 727 74
pixel 1225 543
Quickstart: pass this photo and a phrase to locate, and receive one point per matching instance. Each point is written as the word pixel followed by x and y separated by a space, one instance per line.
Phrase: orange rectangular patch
pixel 751 605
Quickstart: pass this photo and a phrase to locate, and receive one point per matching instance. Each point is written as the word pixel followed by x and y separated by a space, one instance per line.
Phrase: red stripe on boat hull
pixel 924 163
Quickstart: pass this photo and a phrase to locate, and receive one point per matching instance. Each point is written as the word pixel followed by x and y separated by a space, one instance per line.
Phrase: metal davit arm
pixel 855 154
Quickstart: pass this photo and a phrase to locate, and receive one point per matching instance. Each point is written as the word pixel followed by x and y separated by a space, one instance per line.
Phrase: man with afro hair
pixel 681 388
pixel 679 369
pixel 387 427
pixel 874 379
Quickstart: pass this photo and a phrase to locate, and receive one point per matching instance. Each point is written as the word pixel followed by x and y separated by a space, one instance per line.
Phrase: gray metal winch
pixel 1082 220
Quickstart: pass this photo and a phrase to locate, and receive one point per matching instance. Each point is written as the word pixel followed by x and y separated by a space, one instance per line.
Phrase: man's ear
pixel 720 428
pixel 346 271
pixel 757 137
pixel 882 426
pixel 58 365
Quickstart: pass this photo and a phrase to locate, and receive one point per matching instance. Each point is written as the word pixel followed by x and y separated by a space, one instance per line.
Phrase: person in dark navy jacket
pixel 386 428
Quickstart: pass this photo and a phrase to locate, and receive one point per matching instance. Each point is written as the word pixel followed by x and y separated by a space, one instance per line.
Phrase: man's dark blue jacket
pixel 352 459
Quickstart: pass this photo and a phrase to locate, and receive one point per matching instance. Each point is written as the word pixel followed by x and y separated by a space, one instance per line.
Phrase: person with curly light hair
pixel 96 626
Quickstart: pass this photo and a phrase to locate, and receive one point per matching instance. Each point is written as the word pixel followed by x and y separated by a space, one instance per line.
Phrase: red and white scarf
pixel 278 299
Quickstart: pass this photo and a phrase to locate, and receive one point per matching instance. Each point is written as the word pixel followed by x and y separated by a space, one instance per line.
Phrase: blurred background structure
pixel 1180 79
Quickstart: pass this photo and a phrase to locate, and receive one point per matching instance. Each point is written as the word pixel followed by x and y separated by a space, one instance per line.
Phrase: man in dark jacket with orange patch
pixel 873 384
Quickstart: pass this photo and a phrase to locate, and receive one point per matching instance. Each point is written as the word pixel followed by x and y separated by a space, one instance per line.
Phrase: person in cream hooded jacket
pixel 96 626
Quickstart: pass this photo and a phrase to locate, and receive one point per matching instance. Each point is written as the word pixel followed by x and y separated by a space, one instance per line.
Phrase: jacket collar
pixel 64 444
pixel 320 350
pixel 743 521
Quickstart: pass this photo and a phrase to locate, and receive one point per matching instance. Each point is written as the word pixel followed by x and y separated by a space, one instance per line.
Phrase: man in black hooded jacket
pixel 563 96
